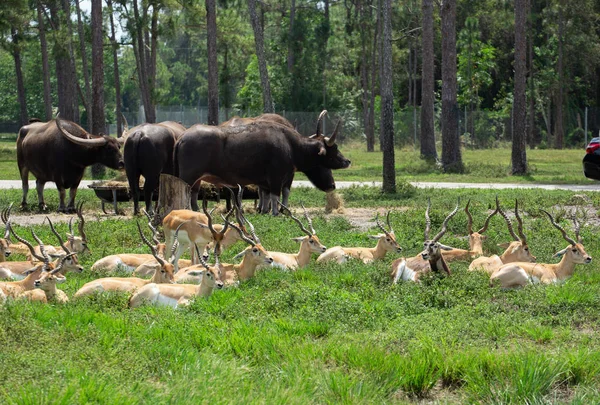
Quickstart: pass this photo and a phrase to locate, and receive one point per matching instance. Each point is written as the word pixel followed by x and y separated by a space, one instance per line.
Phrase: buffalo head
pixel 107 148
pixel 329 155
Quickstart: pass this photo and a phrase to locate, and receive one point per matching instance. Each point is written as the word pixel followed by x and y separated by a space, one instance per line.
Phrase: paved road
pixel 4 184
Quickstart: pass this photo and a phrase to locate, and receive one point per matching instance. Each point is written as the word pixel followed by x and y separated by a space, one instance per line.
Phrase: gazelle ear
pixel 444 247
pixel 242 253
pixel 55 256
pixel 504 245
pixel 60 279
pixel 561 252
pixel 299 239
pixel 70 236
pixel 376 237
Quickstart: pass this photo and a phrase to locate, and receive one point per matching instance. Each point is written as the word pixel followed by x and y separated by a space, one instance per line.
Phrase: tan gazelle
pixel 515 251
pixel 309 244
pixel 16 270
pixel 432 253
pixel 521 273
pixel 15 289
pixel 131 261
pixel 386 242
pixel 177 295
pixel 163 274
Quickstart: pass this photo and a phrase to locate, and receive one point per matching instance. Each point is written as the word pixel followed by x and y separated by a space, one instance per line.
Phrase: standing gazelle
pixel 515 251
pixel 521 273
pixel 432 252
pixel 386 242
pixel 309 244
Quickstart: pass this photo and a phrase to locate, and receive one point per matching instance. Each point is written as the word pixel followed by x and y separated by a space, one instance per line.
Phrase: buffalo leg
pixel 285 195
pixel 194 199
pixel 25 185
pixel 264 200
pixel 72 195
pixel 39 186
pixel 274 203
pixel 149 187
pixel 61 196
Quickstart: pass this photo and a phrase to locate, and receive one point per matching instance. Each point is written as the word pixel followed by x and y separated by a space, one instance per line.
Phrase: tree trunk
pixel 16 52
pixel 451 154
pixel 45 64
pixel 260 54
pixel 364 70
pixel 73 81
pixel 558 121
pixel 115 48
pixel 97 108
pixel 531 132
pixel 173 194
pixel 387 102
pixel 290 55
pixel 84 67
pixel 65 71
pixel 142 57
pixel 374 69
pixel 519 136
pixel 213 80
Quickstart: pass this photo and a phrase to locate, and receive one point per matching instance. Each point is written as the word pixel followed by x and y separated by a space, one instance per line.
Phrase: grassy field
pixel 490 165
pixel 326 333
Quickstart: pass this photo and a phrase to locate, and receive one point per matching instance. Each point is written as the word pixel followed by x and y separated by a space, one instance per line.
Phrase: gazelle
pixel 164 274
pixel 521 273
pixel 5 241
pixel 46 285
pixel 309 244
pixel 176 295
pixel 386 242
pixel 16 270
pixel 14 289
pixel 130 261
pixel 193 232
pixel 253 256
pixel 515 251
pixel 432 253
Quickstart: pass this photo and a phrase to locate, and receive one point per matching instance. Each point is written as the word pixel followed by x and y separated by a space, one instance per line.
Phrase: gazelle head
pixel 575 252
pixel 78 244
pixel 211 276
pixel 476 238
pixel 255 253
pixel 387 239
pixel 49 279
pixel 160 247
pixel 311 239
pixel 71 262
pixel 432 248
pixel 517 250
pixel 5 241
pixel 167 269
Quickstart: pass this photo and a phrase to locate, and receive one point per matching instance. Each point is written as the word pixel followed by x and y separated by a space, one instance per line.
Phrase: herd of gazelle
pixel 174 281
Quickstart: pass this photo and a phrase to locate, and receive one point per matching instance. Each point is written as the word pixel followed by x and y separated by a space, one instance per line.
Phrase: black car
pixel 591 160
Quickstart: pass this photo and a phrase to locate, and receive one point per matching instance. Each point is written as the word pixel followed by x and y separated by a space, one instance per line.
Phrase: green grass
pixel 489 165
pixel 326 333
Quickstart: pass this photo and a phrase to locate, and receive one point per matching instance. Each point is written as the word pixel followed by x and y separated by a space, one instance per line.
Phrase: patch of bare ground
pixel 361 218
pixel 438 395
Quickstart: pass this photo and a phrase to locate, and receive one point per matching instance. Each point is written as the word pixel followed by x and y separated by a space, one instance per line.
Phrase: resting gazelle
pixel 432 252
pixel 521 273
pixel 515 251
pixel 386 242
pixel 163 274
pixel 309 244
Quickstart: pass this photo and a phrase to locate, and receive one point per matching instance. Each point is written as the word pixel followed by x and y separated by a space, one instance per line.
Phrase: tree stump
pixel 174 194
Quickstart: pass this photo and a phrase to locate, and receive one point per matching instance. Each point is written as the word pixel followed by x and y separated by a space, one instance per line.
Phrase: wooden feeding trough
pixel 115 191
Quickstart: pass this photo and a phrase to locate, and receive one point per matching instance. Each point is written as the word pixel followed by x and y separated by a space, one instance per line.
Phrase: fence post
pixel 586 127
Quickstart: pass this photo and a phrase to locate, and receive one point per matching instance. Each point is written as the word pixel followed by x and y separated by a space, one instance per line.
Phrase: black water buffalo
pixel 262 153
pixel 148 152
pixel 59 151
pixel 264 200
